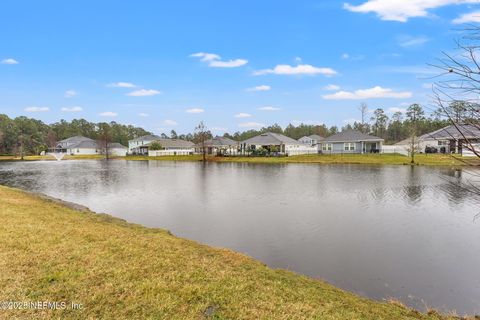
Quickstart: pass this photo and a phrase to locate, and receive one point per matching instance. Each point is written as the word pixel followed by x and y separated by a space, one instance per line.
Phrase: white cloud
pixel 371 93
pixel 121 85
pixel 331 87
pixel 37 109
pixel 169 122
pixel 268 108
pixel 397 109
pixel 215 61
pixel 345 56
pixel 144 93
pixel 243 115
pixel 70 93
pixel 9 61
pixel 195 110
pixel 401 10
pixel 301 69
pixel 472 17
pixel 263 87
pixel 409 41
pixel 108 114
pixel 72 109
pixel 142 114
pixel 251 125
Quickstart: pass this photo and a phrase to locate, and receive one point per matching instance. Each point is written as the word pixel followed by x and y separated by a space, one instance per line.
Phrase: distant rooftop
pixel 270 139
pixel 172 143
pixel 220 141
pixel 148 137
pixel 351 136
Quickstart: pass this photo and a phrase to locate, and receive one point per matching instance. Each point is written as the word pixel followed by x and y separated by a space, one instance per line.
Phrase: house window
pixel 349 146
pixel 327 147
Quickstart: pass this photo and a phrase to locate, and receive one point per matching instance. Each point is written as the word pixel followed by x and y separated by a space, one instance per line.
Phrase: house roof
pixel 220 141
pixel 447 133
pixel 86 144
pixel 116 145
pixel 172 143
pixel 75 139
pixel 351 136
pixel 316 137
pixel 270 139
pixel 452 132
pixel 148 137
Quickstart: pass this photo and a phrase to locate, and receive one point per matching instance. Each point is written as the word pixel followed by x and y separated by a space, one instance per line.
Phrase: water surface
pixel 381 231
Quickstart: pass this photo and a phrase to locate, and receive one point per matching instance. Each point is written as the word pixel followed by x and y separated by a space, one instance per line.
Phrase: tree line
pixel 23 135
pixel 30 136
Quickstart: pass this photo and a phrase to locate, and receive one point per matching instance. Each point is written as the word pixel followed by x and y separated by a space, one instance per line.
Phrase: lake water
pixel 401 232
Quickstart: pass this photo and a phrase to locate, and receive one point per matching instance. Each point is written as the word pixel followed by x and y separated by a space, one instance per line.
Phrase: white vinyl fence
pixel 395 149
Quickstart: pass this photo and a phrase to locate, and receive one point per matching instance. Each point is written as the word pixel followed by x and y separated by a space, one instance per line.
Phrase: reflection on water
pixel 402 232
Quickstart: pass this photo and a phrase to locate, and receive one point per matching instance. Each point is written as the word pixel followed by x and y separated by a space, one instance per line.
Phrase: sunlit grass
pixel 116 270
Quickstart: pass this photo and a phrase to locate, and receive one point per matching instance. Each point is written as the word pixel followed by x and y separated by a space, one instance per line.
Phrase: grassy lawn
pixel 391 159
pixel 49 252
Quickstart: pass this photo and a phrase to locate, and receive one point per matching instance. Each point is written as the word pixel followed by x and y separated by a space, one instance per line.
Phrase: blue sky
pixel 237 65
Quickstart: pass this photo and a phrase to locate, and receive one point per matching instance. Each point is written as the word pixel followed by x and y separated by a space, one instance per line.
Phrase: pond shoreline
pixel 374 159
pixel 125 255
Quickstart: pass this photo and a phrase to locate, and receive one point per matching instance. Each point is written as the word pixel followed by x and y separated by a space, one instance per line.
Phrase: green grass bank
pixel 115 270
pixel 376 159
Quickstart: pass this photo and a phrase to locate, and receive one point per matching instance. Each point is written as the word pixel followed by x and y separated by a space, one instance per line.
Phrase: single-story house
pixel 219 146
pixel 275 143
pixel 472 150
pixel 77 145
pixel 169 147
pixel 117 149
pixel 135 144
pixel 351 141
pixel 80 145
pixel 450 139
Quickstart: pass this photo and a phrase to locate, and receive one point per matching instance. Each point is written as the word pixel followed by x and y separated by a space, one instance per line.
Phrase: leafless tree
pixel 456 90
pixel 104 139
pixel 202 135
pixel 363 108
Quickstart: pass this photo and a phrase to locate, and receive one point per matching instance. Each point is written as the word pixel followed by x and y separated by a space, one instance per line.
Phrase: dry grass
pixel 49 252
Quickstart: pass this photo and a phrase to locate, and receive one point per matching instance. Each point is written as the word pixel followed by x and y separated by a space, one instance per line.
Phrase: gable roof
pixel 316 137
pixel 270 139
pixel 86 144
pixel 452 132
pixel 116 145
pixel 148 137
pixel 172 143
pixel 220 141
pixel 351 136
pixel 447 133
pixel 75 139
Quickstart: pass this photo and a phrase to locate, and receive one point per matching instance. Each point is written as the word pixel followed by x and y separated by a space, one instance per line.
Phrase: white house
pixel 116 149
pixel 450 139
pixel 169 147
pixel 135 144
pixel 312 140
pixel 77 145
pixel 275 143
pixel 80 145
